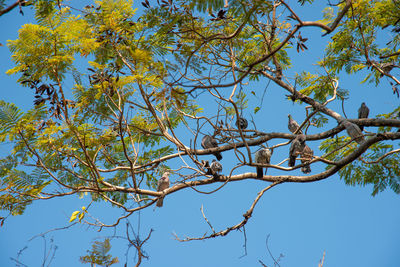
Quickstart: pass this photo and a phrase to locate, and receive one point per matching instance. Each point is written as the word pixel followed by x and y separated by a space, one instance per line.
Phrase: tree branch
pixel 241 224
pixel 12 6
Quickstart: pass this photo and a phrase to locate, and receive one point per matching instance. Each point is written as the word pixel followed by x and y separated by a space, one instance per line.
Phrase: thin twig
pixel 205 218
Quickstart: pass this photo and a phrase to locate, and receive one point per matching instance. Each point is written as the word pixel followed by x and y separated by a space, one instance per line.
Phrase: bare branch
pixel 241 224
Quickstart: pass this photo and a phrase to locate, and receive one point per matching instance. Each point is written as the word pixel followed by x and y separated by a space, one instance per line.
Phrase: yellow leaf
pixel 73 216
pixel 81 215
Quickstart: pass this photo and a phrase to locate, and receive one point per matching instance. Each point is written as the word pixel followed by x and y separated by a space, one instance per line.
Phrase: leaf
pixel 74 215
pixel 81 215
pixel 9 115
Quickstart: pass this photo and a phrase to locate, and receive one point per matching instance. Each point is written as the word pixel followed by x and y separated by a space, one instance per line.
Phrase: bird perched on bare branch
pixel 387 67
pixel 353 131
pixel 363 112
pixel 306 155
pixel 293 125
pixel 216 168
pixel 210 142
pixel 296 148
pixel 242 123
pixel 262 156
pixel 163 183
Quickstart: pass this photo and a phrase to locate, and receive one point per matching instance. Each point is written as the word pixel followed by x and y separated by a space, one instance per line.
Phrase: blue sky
pixel 302 220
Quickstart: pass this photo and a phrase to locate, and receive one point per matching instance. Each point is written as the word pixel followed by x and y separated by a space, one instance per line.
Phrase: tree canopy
pixel 122 96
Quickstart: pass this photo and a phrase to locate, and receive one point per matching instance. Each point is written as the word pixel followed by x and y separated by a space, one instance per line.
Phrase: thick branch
pixel 11 7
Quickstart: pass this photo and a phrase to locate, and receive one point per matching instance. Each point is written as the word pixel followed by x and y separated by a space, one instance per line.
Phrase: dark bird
pixel 293 125
pixel 353 131
pixel 363 112
pixel 210 142
pixel 262 156
pixel 216 168
pixel 163 183
pixel 242 123
pixel 296 148
pixel 306 155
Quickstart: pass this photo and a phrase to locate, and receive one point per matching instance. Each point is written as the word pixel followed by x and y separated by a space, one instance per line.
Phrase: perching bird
pixel 163 183
pixel 293 125
pixel 242 123
pixel 206 165
pixel 387 67
pixel 296 148
pixel 262 156
pixel 210 142
pixel 306 155
pixel 216 168
pixel 353 131
pixel 363 112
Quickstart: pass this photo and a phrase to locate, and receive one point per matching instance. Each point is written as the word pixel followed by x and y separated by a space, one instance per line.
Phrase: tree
pixel 139 104
pixel 98 254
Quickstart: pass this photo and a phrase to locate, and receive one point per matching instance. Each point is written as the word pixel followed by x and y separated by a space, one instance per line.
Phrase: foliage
pixel 122 95
pixel 374 167
pixel 98 254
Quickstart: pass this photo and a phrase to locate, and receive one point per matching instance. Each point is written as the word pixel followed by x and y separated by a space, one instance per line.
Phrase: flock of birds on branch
pixel 263 155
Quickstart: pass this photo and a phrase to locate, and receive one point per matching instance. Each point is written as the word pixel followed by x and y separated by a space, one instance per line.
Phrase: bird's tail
pixel 160 202
pixel 292 161
pixel 306 169
pixel 218 155
pixel 216 176
pixel 259 172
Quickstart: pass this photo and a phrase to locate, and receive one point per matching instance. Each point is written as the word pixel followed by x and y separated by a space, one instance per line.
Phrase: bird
pixel 296 148
pixel 387 67
pixel 363 112
pixel 242 123
pixel 293 125
pixel 306 155
pixel 216 168
pixel 210 142
pixel 262 156
pixel 353 131
pixel 163 183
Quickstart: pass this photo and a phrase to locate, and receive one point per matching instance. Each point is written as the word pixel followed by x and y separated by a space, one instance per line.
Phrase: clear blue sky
pixel 303 220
